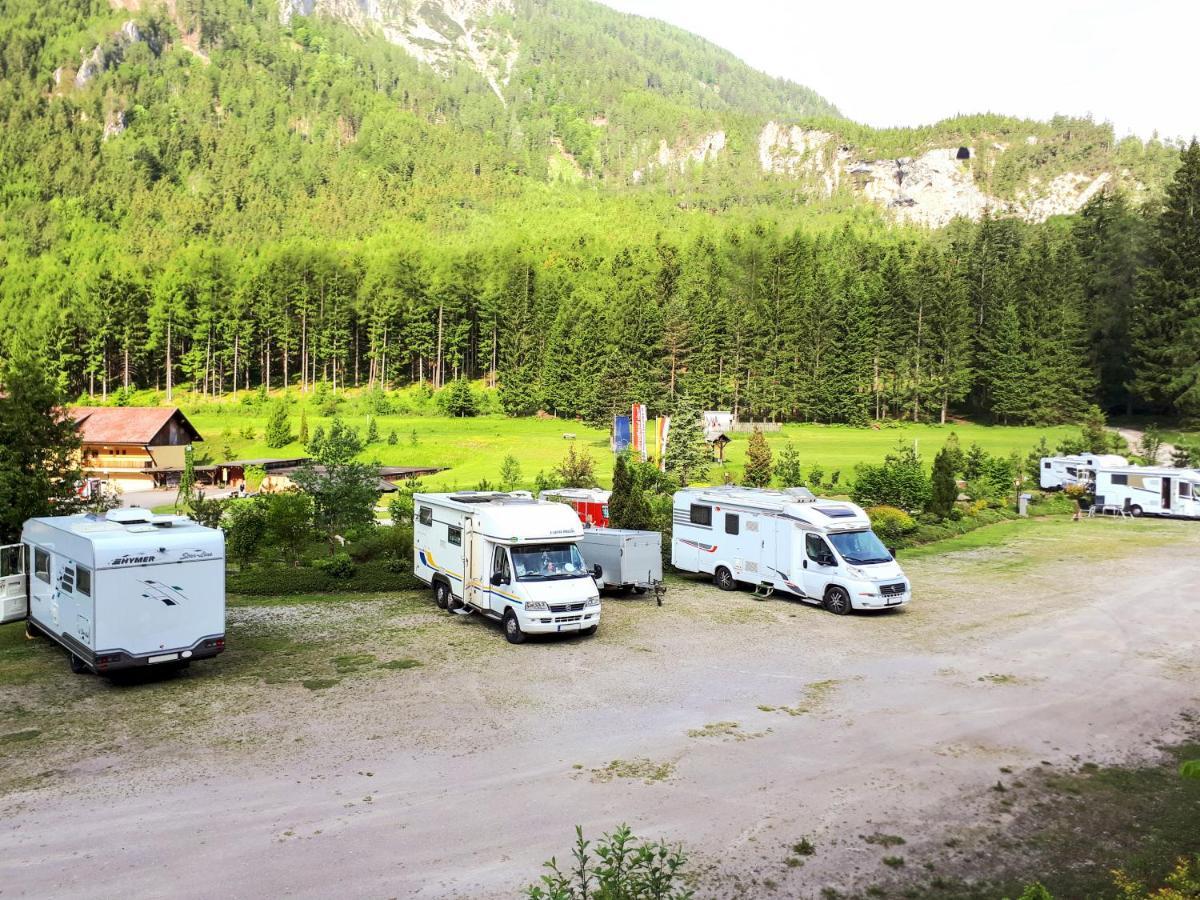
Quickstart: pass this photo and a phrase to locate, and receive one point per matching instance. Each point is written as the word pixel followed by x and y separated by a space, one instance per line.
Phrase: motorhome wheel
pixel 1135 511
pixel 441 595
pixel 512 629
pixel 78 666
pixel 837 601
pixel 32 631
pixel 588 632
pixel 723 579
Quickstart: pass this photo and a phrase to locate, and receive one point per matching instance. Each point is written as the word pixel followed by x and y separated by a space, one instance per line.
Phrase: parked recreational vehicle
pixel 122 590
pixel 508 557
pixel 1149 490
pixel 1060 471
pixel 591 504
pixel 628 560
pixel 822 551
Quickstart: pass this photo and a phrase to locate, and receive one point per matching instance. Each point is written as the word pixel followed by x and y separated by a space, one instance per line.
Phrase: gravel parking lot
pixel 376 744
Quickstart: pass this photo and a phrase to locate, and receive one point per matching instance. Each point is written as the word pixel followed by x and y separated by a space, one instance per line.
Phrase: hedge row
pixel 378 575
pixel 1054 504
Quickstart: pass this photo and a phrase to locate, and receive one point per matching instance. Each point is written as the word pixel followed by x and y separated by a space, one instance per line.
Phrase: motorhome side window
pixel 818 550
pixel 83 581
pixel 731 523
pixel 1046 464
pixel 426 515
pixel 701 514
pixel 41 565
pixel 1185 489
pixel 1120 479
pixel 454 535
pixel 500 565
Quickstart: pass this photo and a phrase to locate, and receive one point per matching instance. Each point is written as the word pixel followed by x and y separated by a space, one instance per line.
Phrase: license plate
pixel 166 657
pixel 569 626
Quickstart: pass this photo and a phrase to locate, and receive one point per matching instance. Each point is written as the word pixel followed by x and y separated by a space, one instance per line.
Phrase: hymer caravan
pixel 122 590
pixel 508 557
pixel 822 551
pixel 1060 471
pixel 1149 490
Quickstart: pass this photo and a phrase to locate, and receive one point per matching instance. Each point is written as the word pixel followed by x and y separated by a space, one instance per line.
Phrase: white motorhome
pixel 126 589
pixel 508 557
pixel 1149 490
pixel 1059 471
pixel 822 551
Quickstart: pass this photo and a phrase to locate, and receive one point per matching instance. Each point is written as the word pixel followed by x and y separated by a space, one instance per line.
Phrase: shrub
pixel 245 528
pixel 890 523
pixel 337 566
pixel 622 867
pixel 289 520
pixel 457 399
pixel 901 482
pixel 274 581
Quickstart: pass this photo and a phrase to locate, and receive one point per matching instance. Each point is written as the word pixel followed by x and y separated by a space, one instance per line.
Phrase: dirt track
pixel 735 726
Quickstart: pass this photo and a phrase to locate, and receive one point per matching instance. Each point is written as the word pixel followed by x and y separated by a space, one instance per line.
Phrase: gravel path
pixel 459 778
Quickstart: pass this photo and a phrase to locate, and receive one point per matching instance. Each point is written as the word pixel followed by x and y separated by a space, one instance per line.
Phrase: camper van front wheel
pixel 441 595
pixel 723 579
pixel 837 601
pixel 1135 511
pixel 512 628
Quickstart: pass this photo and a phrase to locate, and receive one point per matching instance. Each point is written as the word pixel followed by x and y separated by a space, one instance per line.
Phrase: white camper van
pixel 1060 471
pixel 822 551
pixel 508 557
pixel 126 589
pixel 1149 490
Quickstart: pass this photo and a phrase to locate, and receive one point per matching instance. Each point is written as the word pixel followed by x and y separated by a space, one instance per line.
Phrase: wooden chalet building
pixel 133 447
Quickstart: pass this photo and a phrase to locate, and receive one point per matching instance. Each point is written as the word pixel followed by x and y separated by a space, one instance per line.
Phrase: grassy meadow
pixel 473 449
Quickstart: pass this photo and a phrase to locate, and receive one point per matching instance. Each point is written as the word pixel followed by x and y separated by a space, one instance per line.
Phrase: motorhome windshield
pixel 539 562
pixel 860 548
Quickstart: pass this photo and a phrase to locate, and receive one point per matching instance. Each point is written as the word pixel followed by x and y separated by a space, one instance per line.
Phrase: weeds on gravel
pixel 641 769
pixel 619 866
pixel 884 840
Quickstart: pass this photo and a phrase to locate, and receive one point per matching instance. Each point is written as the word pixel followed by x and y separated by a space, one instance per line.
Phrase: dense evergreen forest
pixel 233 202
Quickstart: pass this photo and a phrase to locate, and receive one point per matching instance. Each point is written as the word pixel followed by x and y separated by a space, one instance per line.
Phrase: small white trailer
pixel 508 557
pixel 1059 471
pixel 822 551
pixel 1149 491
pixel 117 591
pixel 628 559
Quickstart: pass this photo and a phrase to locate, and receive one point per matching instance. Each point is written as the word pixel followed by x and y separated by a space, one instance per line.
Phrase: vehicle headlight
pixel 593 601
pixel 855 572
pixel 536 606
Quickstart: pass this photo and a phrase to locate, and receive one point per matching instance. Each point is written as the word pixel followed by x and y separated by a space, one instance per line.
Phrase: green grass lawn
pixel 473 449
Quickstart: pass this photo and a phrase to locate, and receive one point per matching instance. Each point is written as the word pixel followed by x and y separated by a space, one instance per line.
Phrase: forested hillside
pixel 574 204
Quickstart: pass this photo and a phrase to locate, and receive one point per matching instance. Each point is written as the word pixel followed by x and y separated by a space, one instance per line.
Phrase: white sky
pixel 1129 62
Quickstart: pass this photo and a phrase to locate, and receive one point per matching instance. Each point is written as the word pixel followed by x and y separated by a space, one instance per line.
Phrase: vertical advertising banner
pixel 621 437
pixel 664 427
pixel 638 421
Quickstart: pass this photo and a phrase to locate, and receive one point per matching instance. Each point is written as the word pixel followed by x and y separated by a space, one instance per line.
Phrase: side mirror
pixel 828 561
pixel 894 551
pixel 497 579
pixel 597 572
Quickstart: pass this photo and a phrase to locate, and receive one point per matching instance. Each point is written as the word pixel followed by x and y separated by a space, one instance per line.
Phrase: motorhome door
pixel 1166 494
pixel 475 560
pixel 14 600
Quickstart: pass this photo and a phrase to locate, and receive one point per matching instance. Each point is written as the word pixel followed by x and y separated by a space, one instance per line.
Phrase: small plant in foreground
pixel 619 866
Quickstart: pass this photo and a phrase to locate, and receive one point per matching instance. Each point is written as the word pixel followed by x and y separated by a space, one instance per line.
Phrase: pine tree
pixel 758 461
pixel 687 457
pixel 372 431
pixel 1009 384
pixel 39 445
pixel 787 468
pixel 943 487
pixel 302 434
pixel 393 438
pixel 1166 318
pixel 279 430
pixel 510 473
pixel 628 507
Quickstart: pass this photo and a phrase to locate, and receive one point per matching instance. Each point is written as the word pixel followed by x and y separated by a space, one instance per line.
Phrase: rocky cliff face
pixel 441 33
pixel 931 189
pixel 678 156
